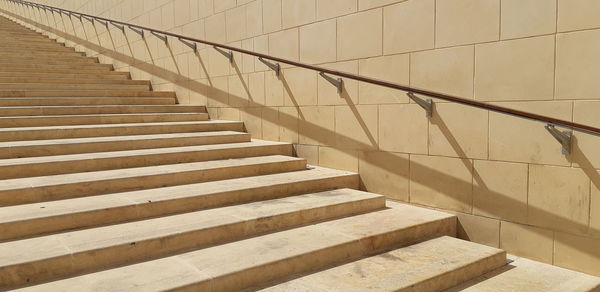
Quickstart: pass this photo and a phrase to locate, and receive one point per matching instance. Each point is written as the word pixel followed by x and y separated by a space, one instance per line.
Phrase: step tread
pixel 126 233
pixel 96 176
pixel 114 138
pixel 98 115
pixel 432 265
pixel 214 265
pixel 186 231
pixel 114 125
pixel 230 191
pixel 527 275
pixel 133 153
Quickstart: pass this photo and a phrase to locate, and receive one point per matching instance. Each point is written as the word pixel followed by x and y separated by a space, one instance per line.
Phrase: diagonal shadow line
pixel 172 77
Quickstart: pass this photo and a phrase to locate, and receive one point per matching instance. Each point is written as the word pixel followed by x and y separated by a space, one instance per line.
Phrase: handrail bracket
pixel 426 104
pixel 164 38
pixel 140 32
pixel 274 66
pixel 121 27
pixel 563 137
pixel 337 82
pixel 193 46
pixel 228 55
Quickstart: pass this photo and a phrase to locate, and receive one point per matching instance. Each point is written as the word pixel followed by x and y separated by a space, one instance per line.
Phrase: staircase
pixel 106 185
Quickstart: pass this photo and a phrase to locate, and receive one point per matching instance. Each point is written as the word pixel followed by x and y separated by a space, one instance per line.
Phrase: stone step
pixel 66 254
pixel 433 265
pixel 87 131
pixel 84 93
pixel 75 101
pixel 47 49
pixel 21 53
pixel 54 81
pixel 83 67
pixel 75 163
pixel 105 109
pixel 247 263
pixel 71 86
pixel 56 59
pixel 57 187
pixel 28 71
pixel 37 148
pixel 30 220
pixel 110 75
pixel 68 120
pixel 527 275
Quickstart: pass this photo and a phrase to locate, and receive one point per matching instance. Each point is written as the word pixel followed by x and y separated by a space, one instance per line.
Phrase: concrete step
pixel 57 187
pixel 247 263
pixel 75 252
pixel 527 275
pixel 433 265
pixel 71 86
pixel 75 163
pixel 87 131
pixel 84 77
pixel 81 101
pixel 105 109
pixel 35 219
pixel 37 148
pixel 54 81
pixel 83 67
pixel 67 120
pixel 84 93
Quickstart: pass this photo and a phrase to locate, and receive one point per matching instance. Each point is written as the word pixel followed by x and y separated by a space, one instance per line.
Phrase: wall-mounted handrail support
pixel 88 19
pixel 337 82
pixel 140 32
pixel 274 66
pixel 193 46
pixel 563 137
pixel 164 38
pixel 101 22
pixel 426 104
pixel 229 54
pixel 121 27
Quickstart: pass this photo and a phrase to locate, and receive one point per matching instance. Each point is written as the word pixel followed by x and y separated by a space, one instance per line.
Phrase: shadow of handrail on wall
pixel 198 86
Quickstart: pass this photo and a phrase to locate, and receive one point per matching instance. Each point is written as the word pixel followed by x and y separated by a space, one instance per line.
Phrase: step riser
pixel 57 49
pixel 85 101
pixel 108 216
pixel 116 131
pixel 59 86
pixel 87 261
pixel 51 111
pixel 80 148
pixel 319 259
pixel 92 120
pixel 78 72
pixel 65 167
pixel 86 93
pixel 91 188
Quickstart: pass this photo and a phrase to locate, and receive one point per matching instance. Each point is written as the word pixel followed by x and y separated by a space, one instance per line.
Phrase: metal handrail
pixel 562 137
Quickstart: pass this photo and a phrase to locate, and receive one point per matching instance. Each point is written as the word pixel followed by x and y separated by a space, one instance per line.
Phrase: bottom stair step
pixel 527 275
pixel 48 257
pixel 432 265
pixel 247 263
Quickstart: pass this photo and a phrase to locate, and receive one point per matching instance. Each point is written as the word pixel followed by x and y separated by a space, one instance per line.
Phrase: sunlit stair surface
pixel 107 185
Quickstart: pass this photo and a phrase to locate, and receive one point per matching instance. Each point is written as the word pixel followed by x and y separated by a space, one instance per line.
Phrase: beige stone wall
pixel 504 176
